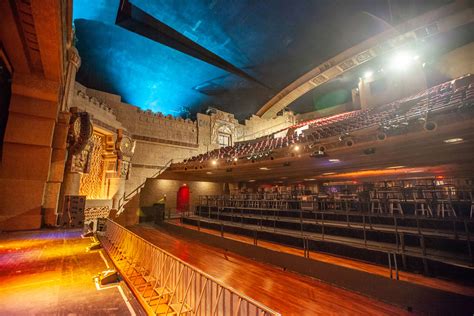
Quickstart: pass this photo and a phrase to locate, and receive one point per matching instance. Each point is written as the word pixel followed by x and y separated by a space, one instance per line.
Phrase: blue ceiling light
pixel 151 76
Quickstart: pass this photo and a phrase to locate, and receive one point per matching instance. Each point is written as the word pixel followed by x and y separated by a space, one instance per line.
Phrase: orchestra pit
pixel 211 157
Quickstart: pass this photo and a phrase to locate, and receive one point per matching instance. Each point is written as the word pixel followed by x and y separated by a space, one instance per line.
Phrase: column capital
pixel 73 57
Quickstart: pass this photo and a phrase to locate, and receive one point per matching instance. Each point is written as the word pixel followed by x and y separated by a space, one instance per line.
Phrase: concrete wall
pixel 256 126
pixel 333 110
pixel 457 62
pixel 34 145
pixel 398 84
pixel 155 189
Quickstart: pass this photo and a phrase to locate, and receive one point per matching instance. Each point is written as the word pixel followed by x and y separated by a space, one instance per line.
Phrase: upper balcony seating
pixel 447 96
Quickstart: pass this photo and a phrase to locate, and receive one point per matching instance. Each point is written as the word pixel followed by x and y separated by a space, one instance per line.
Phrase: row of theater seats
pixel 441 98
pixel 450 95
pixel 424 201
pixel 248 149
pixel 268 144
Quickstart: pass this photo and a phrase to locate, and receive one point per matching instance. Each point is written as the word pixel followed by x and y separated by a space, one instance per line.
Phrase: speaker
pixel 430 126
pixel 73 214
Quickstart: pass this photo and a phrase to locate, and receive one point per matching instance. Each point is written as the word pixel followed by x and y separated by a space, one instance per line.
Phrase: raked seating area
pixel 457 94
pixel 423 232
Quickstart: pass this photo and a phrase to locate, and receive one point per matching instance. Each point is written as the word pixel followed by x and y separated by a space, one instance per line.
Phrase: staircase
pixel 127 197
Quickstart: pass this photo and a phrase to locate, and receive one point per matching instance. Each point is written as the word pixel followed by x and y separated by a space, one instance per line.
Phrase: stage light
pixel 402 61
pixel 296 148
pixel 368 74
pixel 214 162
pixel 235 159
pixel 453 140
pixel 108 277
pixel 318 154
pixel 334 160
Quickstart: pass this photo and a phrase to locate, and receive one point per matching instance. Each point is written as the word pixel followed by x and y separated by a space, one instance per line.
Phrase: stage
pixel 49 272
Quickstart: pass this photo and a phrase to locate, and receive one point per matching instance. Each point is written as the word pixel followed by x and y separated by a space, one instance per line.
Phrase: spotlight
pixel 402 61
pixel 368 74
pixel 453 140
pixel 318 154
pixel 369 151
pixel 296 148
pixel 108 277
pixel 94 246
pixel 235 158
pixel 214 162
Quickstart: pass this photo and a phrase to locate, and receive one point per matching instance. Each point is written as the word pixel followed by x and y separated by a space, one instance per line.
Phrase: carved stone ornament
pixel 127 146
pixel 80 131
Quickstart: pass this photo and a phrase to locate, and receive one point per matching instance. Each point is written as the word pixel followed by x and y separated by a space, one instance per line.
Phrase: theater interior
pixel 210 157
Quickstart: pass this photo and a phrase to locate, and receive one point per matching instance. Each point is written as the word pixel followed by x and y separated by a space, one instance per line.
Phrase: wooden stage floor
pixel 49 272
pixel 286 292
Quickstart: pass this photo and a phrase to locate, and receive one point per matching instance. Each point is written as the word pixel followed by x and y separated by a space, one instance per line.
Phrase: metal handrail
pixel 118 243
pixel 224 201
pixel 416 231
pixel 124 198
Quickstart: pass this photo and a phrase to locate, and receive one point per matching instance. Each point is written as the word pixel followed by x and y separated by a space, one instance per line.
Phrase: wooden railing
pixel 167 285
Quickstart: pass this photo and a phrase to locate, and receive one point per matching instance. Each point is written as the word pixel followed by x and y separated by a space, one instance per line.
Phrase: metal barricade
pixel 169 285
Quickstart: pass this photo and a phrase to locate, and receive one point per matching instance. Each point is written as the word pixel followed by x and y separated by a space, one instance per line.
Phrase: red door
pixel 182 200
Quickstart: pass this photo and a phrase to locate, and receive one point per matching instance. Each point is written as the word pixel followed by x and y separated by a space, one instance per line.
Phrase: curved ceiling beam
pixel 431 23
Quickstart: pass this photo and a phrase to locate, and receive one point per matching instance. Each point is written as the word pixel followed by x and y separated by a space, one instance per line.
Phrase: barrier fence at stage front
pixel 167 285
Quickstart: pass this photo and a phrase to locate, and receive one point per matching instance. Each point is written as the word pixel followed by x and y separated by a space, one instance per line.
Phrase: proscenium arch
pixel 438 21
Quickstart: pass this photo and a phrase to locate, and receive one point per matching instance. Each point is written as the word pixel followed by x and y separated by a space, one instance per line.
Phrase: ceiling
pixel 273 42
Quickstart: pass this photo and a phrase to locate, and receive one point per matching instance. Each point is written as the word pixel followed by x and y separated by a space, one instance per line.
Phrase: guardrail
pixel 168 285
pixel 127 197
pixel 455 229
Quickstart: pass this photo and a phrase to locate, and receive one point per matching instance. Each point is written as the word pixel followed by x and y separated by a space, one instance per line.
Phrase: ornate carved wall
pixel 156 138
pixel 93 178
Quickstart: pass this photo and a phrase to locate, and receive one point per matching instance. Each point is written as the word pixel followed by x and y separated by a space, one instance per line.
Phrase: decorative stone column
pixel 124 148
pixel 78 134
pixel 56 171
pixel 74 62
pixel 60 153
